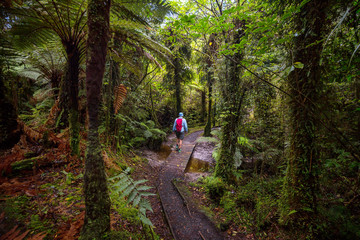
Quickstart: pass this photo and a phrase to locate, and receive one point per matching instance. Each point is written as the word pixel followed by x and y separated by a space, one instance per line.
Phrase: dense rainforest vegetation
pixel 87 86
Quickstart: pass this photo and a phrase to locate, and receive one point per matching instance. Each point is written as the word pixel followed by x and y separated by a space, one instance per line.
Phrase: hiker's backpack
pixel 178 124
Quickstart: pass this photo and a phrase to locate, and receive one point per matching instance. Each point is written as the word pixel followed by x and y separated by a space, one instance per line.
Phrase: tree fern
pixel 124 186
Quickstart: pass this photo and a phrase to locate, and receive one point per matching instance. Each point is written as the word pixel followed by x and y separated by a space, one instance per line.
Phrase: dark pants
pixel 180 135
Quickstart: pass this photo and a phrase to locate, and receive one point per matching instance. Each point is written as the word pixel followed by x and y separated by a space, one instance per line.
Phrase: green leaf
pixel 127 191
pixel 292 212
pixel 132 196
pixel 145 220
pixel 139 182
pixel 137 200
pixel 299 65
pixel 144 188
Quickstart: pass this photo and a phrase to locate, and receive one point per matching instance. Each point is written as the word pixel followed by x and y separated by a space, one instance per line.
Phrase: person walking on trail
pixel 180 127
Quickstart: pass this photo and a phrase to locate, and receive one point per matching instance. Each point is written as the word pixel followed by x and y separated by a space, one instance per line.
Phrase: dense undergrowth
pixel 47 201
pixel 251 204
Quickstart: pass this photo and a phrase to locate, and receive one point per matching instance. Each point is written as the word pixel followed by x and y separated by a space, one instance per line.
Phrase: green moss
pixel 74 126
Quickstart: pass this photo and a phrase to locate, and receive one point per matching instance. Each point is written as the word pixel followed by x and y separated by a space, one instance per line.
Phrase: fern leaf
pixel 139 182
pixel 132 196
pixel 127 191
pixel 121 183
pixel 143 188
pixel 120 94
pixel 137 200
pixel 145 204
pixel 115 177
pixel 145 220
pixel 145 194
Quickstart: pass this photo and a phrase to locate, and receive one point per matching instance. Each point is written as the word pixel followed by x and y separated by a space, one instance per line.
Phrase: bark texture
pixel 305 87
pixel 233 91
pixel 211 52
pixel 9 133
pixel 97 201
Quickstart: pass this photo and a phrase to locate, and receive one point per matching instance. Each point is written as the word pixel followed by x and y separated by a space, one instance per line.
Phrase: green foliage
pixel 254 204
pixel 214 187
pixel 40 225
pixel 16 207
pixel 344 225
pixel 124 186
pixel 137 134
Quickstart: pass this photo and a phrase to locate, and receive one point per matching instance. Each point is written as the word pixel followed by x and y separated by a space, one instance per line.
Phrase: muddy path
pixel 184 219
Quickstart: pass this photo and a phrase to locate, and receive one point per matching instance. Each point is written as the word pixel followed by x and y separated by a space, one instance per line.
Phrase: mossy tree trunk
pixel 72 87
pixel 233 92
pixel 305 86
pixel 110 121
pixel 211 52
pixel 203 105
pixel 8 116
pixel 97 200
pixel 207 130
pixel 177 81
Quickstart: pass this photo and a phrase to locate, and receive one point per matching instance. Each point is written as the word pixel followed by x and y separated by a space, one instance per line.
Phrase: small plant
pixel 125 186
pixel 215 188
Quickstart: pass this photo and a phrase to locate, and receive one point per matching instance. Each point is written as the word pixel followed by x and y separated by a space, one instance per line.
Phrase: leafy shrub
pixel 215 188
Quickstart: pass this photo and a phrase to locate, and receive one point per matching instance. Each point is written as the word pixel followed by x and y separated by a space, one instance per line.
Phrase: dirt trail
pixel 185 221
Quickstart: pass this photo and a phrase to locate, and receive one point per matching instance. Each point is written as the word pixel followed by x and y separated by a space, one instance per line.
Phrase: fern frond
pixel 143 188
pixel 120 95
pixel 145 204
pixel 140 182
pixel 145 220
pixel 134 192
pixel 132 196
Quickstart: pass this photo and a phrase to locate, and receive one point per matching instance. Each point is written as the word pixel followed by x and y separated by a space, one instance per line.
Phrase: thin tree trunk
pixel 177 82
pixel 207 131
pixel 357 98
pixel 203 105
pixel 153 113
pixel 97 200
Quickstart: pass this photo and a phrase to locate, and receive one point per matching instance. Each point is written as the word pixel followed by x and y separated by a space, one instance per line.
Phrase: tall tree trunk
pixel 207 131
pixel 211 49
pixel 177 81
pixel 357 98
pixel 233 92
pixel 72 83
pixel 203 105
pixel 97 200
pixel 8 116
pixel 110 124
pixel 300 186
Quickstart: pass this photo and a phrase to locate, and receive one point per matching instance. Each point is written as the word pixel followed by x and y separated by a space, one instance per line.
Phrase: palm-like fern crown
pixel 49 63
pixel 40 21
pixel 129 24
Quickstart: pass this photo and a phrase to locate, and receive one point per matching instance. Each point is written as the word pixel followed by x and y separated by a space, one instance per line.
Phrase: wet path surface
pixel 185 221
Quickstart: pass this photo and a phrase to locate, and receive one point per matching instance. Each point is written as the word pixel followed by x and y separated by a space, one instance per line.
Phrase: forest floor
pixel 41 198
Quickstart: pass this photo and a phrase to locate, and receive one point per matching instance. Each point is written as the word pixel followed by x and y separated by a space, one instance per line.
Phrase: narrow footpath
pixel 185 221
